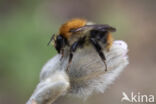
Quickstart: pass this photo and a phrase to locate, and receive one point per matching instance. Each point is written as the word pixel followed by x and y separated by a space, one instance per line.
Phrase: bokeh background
pixel 27 25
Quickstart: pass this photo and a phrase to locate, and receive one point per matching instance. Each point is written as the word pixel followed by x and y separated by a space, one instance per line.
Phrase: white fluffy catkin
pixel 86 74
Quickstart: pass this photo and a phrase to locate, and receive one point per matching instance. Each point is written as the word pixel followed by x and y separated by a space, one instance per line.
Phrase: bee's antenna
pixel 51 39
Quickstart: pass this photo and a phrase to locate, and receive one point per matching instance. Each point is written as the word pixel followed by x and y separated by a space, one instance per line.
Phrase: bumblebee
pixel 78 33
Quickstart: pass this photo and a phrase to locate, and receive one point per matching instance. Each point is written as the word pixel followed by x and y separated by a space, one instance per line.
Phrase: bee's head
pixel 60 43
pixel 65 29
pixel 61 40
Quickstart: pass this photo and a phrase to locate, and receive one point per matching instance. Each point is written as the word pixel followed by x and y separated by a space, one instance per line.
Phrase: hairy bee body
pixel 78 33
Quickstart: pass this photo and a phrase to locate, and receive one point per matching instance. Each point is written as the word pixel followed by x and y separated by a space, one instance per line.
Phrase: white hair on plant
pixel 86 74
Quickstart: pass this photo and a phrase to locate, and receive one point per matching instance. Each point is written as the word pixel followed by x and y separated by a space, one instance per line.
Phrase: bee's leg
pixel 62 53
pixel 72 49
pixel 99 50
pixel 63 44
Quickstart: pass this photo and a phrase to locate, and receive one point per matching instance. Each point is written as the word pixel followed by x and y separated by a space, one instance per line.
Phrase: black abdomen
pixel 99 35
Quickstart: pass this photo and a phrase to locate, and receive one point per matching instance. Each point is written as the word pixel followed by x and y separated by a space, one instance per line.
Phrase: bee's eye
pixel 60 43
pixel 59 38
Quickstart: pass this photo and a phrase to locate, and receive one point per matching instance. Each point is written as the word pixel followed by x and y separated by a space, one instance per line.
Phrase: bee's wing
pixel 100 27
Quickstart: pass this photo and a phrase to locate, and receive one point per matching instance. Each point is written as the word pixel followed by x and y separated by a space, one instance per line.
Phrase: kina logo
pixel 137 97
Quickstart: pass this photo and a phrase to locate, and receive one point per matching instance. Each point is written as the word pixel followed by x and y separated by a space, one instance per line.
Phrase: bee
pixel 78 33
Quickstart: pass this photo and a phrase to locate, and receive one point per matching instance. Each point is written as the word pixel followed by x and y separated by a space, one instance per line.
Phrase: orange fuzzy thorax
pixel 72 24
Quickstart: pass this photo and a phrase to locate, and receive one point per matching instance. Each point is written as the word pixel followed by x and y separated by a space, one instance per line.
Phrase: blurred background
pixel 27 25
